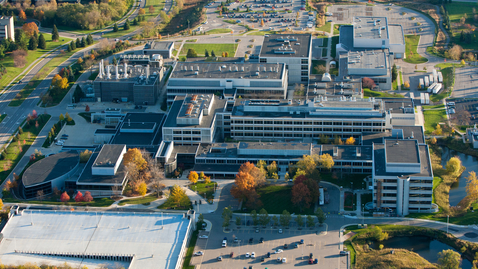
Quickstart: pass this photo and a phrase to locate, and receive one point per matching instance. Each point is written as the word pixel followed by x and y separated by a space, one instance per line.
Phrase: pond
pixel 422 245
pixel 458 189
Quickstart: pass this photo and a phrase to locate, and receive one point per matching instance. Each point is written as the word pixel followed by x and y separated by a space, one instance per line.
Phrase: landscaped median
pixel 411 55
pixel 21 142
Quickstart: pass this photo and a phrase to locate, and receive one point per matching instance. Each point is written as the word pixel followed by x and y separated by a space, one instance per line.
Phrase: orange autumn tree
pixel 245 184
pixel 21 15
pixel 30 28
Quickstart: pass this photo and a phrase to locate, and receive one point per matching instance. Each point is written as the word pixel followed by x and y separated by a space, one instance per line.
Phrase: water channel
pixel 422 245
pixel 458 189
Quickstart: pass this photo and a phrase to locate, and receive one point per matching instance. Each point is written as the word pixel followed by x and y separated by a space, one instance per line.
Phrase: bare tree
pixel 40 195
pixel 156 186
pixel 455 52
pixel 19 58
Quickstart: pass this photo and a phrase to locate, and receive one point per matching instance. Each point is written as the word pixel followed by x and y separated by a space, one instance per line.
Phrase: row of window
pixel 338 163
pixel 300 129
pixel 186 132
pixel 412 188
pixel 260 134
pixel 288 122
pixel 180 138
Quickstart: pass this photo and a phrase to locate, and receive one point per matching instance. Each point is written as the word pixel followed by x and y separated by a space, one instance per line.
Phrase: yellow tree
pixel 201 175
pixel 21 15
pixel 472 186
pixel 453 166
pixel 134 156
pixel 326 161
pixel 193 177
pixel 177 194
pixel 142 188
pixel 63 83
pixel 141 11
pixel 243 185
pixel 262 22
pixel 350 141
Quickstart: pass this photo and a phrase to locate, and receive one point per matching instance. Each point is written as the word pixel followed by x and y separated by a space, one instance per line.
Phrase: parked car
pixel 316 261
pixel 285 246
pixel 261 240
pixel 251 240
pixel 284 260
pixel 343 253
pixel 219 258
pixel 257 230
pixel 278 251
pixel 280 231
pixel 311 256
pixel 232 255
pixel 199 253
pixel 253 254
pixel 203 236
pixel 263 259
pixel 311 261
pixel 268 254
pixel 248 255
pixel 301 241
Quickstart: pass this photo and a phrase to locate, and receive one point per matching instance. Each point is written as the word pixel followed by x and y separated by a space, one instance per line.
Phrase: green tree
pixel 69 47
pixel 264 217
pixel 201 218
pixel 238 221
pixel 310 221
pixel 378 234
pixel 275 220
pixel 449 259
pixel 32 44
pixel 453 166
pixel 78 43
pixel 255 217
pixel 285 218
pixel 126 25
pixel 191 54
pixel 320 215
pixel 89 39
pixel 55 36
pixel 300 220
pixel 83 42
pixel 226 216
pixel 206 53
pixel 213 54
pixel 115 28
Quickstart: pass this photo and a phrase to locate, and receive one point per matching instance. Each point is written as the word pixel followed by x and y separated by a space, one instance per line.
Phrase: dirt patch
pixel 193 11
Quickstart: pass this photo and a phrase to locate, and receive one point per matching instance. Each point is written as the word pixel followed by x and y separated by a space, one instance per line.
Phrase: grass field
pixel 2 117
pixel 158 6
pixel 97 202
pixel 16 150
pixel 277 198
pixel 217 48
pixel 219 31
pixel 337 28
pixel 411 44
pixel 432 118
pixel 324 28
pixel 170 204
pixel 205 190
pixel 456 11
pixel 139 201
pixel 369 93
pixel 190 250
pixel 13 71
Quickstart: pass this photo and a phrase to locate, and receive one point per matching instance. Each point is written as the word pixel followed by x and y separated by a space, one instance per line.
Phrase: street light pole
pixel 363 214
pixel 447 220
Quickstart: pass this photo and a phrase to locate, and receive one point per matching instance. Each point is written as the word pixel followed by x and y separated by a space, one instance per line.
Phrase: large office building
pixel 295 51
pixel 7 28
pixel 402 174
pixel 139 84
pixel 245 80
pixel 367 48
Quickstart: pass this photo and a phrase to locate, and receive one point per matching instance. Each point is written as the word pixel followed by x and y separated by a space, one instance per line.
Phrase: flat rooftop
pixel 136 74
pixel 367 59
pixel 221 70
pixel 140 121
pixel 343 152
pixel 286 46
pixel 154 239
pixel 401 151
pixel 86 176
pixel 370 27
pixel 108 155
pixel 154 45
pixel 50 168
pixel 218 106
pixel 396 34
pixel 379 162
pixel 400 105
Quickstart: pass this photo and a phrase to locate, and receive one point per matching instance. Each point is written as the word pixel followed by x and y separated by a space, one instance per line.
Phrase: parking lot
pixel 465 105
pixel 465 82
pixel 278 16
pixel 315 242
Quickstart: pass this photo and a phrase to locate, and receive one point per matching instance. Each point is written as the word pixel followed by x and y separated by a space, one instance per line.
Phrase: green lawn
pixel 324 28
pixel 190 250
pixel 445 65
pixel 219 31
pixel 432 118
pixel 93 76
pixel 325 42
pixel 411 44
pixel 158 6
pixel 205 190
pixel 217 48
pixel 365 198
pixel 468 219
pixel 395 85
pixel 12 71
pixel 16 150
pixel 324 52
pixel 85 115
pixel 316 63
pixel 436 182
pixel 142 200
pixel 337 28
pixel 2 117
pixel 170 204
pixel 277 198
pixel 369 93
pixel 456 11
pixel 335 41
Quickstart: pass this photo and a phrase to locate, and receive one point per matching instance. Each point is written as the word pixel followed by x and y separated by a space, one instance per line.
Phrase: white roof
pixel 107 233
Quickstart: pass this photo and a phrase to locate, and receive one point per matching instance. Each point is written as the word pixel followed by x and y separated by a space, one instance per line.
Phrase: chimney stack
pixel 108 73
pixel 117 73
pixel 125 70
pixel 147 71
pixel 100 69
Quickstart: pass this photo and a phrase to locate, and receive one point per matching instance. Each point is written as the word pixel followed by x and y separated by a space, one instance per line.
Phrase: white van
pixel 224 243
